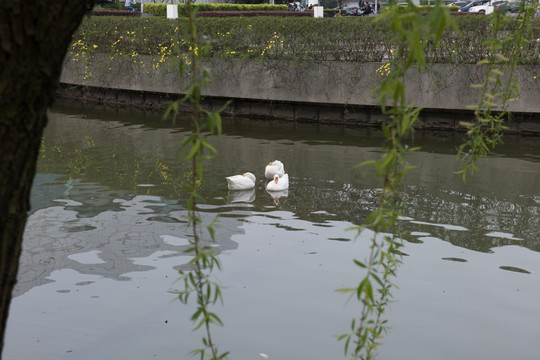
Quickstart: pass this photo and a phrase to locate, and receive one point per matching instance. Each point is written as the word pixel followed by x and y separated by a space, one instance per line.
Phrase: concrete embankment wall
pixel 329 92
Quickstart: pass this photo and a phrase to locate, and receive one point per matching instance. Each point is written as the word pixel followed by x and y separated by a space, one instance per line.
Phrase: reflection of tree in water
pixel 121 228
pixel 483 217
pixel 313 200
pixel 345 201
pixel 123 225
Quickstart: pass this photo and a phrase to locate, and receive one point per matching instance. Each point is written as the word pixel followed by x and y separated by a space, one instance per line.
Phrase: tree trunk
pixel 34 37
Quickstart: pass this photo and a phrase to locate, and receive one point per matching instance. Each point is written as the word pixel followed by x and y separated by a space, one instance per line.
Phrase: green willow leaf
pixel 207 145
pixel 346 290
pixel 224 355
pixel 364 163
pixel 359 263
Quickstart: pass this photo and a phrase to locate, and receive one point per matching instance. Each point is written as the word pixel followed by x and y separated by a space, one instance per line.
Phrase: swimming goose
pixel 273 168
pixel 279 183
pixel 245 181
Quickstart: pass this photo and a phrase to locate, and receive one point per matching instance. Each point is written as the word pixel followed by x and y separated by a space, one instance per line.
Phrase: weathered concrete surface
pixel 338 92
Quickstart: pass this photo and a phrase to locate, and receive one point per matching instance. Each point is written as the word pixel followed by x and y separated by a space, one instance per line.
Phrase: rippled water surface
pixel 106 236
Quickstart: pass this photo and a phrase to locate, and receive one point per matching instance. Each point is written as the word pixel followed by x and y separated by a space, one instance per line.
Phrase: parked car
pixel 459 4
pixel 486 8
pixel 471 4
pixel 514 6
pixel 501 6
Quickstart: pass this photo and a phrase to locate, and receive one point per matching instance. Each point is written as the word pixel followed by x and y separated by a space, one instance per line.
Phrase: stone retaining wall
pixel 329 92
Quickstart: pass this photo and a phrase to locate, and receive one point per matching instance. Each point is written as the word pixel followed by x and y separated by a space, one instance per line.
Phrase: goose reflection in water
pixel 245 196
pixel 276 195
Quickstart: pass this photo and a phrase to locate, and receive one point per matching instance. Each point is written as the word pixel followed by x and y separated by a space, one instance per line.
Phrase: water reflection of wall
pixel 120 156
pixel 319 152
pixel 319 159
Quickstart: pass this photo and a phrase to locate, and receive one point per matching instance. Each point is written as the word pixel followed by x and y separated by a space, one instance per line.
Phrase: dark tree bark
pixel 34 37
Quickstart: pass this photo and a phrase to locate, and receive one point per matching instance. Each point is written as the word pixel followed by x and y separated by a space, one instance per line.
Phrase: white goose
pixel 245 181
pixel 279 183
pixel 273 168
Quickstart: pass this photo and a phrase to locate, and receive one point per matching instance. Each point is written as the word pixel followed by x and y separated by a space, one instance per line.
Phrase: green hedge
pixel 357 39
pixel 161 9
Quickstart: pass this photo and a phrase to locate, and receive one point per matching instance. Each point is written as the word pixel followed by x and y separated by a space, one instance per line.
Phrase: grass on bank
pixel 366 39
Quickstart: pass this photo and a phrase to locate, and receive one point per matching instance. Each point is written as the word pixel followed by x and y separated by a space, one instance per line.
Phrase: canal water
pixel 107 233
